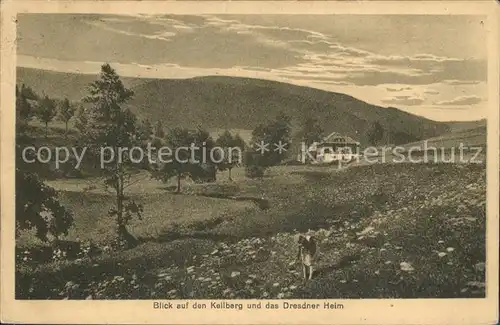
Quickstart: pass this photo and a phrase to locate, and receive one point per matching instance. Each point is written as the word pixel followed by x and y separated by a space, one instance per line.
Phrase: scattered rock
pixel 476 284
pixel 480 267
pixel 407 267
pixel 365 231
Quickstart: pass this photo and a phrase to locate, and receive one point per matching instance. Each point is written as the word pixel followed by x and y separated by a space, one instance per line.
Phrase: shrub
pixel 254 171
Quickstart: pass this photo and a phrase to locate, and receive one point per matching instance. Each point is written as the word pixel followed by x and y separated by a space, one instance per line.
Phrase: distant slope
pixel 461 126
pixel 220 102
pixel 60 84
pixel 468 137
pixel 242 103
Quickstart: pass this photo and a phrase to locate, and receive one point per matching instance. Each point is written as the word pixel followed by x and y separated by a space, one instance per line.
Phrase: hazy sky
pixel 434 66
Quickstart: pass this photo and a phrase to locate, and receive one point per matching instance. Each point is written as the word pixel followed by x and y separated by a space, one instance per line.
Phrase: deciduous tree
pixel 232 148
pixel 37 206
pixel 311 131
pixel 159 132
pixel 276 136
pixel 189 156
pixel 66 112
pixel 46 111
pixel 375 133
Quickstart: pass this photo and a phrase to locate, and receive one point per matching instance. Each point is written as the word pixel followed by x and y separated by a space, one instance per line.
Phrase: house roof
pixel 346 139
pixel 329 139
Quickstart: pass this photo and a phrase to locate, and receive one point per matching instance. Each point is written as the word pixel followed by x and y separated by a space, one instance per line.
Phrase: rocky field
pixel 385 231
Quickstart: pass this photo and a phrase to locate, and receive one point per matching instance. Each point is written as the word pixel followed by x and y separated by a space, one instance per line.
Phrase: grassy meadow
pixel 385 231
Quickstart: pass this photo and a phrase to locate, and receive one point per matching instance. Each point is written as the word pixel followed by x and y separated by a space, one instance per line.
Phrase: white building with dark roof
pixel 333 148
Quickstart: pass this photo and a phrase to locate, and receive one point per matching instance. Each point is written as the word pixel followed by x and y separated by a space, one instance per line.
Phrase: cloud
pixel 375 69
pixel 176 24
pixel 315 79
pixel 404 100
pixel 297 50
pixel 207 41
pixel 398 89
pixel 408 60
pixel 461 82
pixel 464 70
pixel 147 26
pixel 327 48
pixel 284 33
pixel 426 70
pixel 364 68
pixel 329 82
pixel 160 35
pixel 461 100
pixel 164 70
pixel 431 92
pixel 449 109
pixel 355 66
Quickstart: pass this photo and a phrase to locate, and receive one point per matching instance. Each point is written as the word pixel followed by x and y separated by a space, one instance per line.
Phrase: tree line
pixel 102 119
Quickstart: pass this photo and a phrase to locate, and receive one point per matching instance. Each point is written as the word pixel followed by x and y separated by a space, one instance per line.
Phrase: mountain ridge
pixel 224 102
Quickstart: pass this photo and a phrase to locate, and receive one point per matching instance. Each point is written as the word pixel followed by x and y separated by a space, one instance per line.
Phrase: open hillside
pixel 219 102
pixel 396 231
pixel 466 125
pixel 468 137
pixel 60 84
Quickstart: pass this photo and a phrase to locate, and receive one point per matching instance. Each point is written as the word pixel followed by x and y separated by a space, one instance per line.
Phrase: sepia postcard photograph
pixel 252 162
